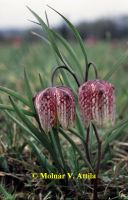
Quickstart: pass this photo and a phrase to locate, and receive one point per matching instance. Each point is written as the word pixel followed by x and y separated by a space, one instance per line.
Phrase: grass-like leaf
pixel 54 146
pixel 40 135
pixel 49 33
pixel 114 134
pixel 76 33
pixel 69 50
pixel 59 147
pixel 79 124
pixel 10 108
pixel 73 131
pixel 41 157
pixel 23 127
pixel 54 46
pixel 77 149
pixel 41 81
pixel 15 94
pixel 116 66
pixel 28 90
pixel 6 194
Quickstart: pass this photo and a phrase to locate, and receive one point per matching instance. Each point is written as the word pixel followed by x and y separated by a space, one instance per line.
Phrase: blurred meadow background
pixel 23 44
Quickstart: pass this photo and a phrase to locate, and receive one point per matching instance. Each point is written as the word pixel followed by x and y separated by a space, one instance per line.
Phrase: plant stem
pixel 87 70
pixel 69 70
pixel 95 196
pixel 86 145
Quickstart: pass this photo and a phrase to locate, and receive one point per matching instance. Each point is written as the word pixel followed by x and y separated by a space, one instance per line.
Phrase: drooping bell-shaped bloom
pixel 65 106
pixel 45 105
pixel 55 104
pixel 97 103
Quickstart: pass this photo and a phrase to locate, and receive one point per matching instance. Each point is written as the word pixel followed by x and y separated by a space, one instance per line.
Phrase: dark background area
pixel 100 29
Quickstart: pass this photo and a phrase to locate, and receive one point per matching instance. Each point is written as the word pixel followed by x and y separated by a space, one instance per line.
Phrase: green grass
pixel 39 58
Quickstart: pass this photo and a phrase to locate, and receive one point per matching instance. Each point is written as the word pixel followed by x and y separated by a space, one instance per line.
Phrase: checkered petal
pixel 65 106
pixel 55 104
pixel 45 105
pixel 97 103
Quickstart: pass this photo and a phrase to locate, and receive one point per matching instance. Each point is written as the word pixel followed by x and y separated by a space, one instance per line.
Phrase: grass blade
pixel 79 125
pixel 49 33
pixel 76 33
pixel 7 195
pixel 15 94
pixel 73 131
pixel 69 49
pixel 116 66
pixel 22 126
pixel 9 108
pixel 28 90
pixel 41 136
pixel 110 136
pixel 41 157
pixel 76 148
pixel 55 150
pixel 59 147
pixel 42 83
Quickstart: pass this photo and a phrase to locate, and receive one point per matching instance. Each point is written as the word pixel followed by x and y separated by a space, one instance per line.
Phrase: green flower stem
pixel 69 70
pixel 87 144
pixel 87 70
pixel 95 196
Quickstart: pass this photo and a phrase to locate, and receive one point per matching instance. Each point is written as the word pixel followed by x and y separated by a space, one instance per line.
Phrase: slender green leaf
pixel 59 147
pixel 6 107
pixel 70 50
pixel 41 36
pixel 40 135
pixel 111 136
pixel 6 194
pixel 41 81
pixel 79 124
pixel 26 130
pixel 49 33
pixel 73 131
pixel 41 157
pixel 116 127
pixel 55 150
pixel 51 39
pixel 76 148
pixel 116 66
pixel 76 33
pixel 15 94
pixel 28 90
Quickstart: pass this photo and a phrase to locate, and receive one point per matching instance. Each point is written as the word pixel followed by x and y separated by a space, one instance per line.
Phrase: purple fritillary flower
pixel 55 104
pixel 45 105
pixel 65 106
pixel 97 103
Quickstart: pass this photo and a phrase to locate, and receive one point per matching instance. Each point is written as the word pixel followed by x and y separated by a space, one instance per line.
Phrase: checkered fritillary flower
pixel 55 104
pixel 97 103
